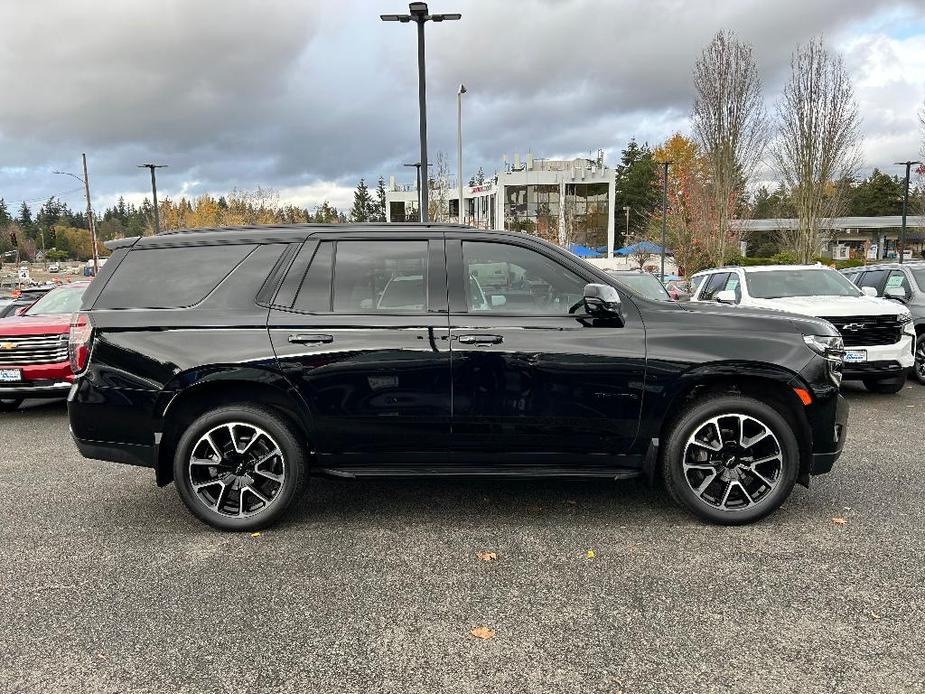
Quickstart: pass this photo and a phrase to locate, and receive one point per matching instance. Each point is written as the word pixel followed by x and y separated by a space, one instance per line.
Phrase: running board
pixel 507 471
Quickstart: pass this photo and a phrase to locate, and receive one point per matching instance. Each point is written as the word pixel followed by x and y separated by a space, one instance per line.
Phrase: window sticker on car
pixel 894 281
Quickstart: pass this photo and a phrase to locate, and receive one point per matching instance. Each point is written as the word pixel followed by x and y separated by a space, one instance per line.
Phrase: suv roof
pixel 886 266
pixel 763 268
pixel 274 232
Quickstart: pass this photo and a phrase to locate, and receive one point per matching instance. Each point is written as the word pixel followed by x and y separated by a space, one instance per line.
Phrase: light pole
pixel 665 165
pixel 157 218
pixel 459 163
pixel 91 225
pixel 626 209
pixel 902 233
pixel 419 15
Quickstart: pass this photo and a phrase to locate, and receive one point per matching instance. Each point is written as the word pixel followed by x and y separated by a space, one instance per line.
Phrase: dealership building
pixel 564 201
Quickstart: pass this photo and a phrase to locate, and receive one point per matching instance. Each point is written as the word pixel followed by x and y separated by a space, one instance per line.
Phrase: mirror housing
pixel 498 300
pixel 726 296
pixel 896 293
pixel 602 299
pixel 868 291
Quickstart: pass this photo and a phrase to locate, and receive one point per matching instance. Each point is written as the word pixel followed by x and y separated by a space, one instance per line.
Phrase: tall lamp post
pixel 91 225
pixel 665 165
pixel 626 210
pixel 902 233
pixel 420 16
pixel 459 163
pixel 157 217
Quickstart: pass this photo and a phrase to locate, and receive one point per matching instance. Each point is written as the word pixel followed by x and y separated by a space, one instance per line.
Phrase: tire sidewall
pixel 284 435
pixel 695 418
pixel 886 386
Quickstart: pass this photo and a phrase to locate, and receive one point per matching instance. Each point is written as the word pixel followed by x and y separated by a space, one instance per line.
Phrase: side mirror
pixel 602 299
pixel 897 293
pixel 726 296
pixel 869 291
pixel 498 300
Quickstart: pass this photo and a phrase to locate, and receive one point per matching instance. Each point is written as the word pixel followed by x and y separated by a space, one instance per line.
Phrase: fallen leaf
pixel 571 502
pixel 838 520
pixel 256 534
pixel 487 556
pixel 590 554
pixel 483 633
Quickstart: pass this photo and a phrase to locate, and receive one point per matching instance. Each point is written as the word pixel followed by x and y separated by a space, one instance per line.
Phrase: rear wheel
pixel 731 459
pixel 885 385
pixel 10 404
pixel 239 467
pixel 918 370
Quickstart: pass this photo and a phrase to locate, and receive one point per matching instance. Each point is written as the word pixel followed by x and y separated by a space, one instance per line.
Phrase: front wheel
pixel 239 467
pixel 731 459
pixel 887 386
pixel 918 371
pixel 10 404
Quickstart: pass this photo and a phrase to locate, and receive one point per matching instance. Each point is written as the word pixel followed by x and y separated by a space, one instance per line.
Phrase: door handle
pixel 310 339
pixel 481 339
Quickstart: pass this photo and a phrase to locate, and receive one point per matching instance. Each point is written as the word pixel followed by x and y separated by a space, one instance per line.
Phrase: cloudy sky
pixel 308 96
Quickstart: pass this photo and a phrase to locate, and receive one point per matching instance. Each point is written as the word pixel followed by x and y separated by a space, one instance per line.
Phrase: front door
pixel 535 380
pixel 360 329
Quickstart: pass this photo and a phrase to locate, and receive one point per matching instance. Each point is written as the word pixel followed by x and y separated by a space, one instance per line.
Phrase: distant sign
pixel 24 274
pixel 872 251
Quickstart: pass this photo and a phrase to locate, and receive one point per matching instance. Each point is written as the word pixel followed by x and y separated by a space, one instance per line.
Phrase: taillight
pixel 78 344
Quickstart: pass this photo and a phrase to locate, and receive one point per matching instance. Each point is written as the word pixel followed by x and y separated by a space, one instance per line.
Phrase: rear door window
pixel 170 277
pixel 380 277
pixel 714 285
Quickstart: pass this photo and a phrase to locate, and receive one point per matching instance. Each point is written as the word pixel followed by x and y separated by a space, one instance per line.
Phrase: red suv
pixel 34 348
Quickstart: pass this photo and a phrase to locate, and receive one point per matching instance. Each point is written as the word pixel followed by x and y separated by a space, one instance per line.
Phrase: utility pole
pixel 157 218
pixel 417 185
pixel 902 233
pixel 419 15
pixel 626 236
pixel 90 222
pixel 665 165
pixel 459 162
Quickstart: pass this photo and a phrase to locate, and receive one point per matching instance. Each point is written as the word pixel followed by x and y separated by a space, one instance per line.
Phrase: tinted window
pixel 695 283
pixel 715 284
pixel 315 292
pixel 873 278
pixel 919 278
pixel 504 278
pixel 170 277
pixel 387 276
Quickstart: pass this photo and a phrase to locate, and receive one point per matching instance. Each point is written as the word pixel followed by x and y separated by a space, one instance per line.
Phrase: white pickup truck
pixel 878 333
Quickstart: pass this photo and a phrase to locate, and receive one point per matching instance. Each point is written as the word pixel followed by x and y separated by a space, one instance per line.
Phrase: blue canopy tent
pixel 642 247
pixel 583 251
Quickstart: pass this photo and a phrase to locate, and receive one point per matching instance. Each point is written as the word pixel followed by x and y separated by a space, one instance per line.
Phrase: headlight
pixel 828 346
pixel 832 349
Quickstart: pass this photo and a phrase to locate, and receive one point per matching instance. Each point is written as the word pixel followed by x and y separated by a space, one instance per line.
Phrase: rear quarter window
pixel 170 277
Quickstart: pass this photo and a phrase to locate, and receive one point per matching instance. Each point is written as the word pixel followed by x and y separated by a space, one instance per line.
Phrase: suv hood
pixel 35 325
pixel 833 305
pixel 804 324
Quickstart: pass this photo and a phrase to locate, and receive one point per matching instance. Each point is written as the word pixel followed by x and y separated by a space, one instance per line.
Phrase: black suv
pixel 237 362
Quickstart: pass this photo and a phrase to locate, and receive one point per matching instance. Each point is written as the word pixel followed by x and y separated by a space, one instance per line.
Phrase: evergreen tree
pixel 5 217
pixel 25 220
pixel 378 209
pixel 878 195
pixel 478 179
pixel 361 203
pixel 637 188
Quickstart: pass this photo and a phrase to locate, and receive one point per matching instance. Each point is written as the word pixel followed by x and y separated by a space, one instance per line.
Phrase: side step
pixel 500 471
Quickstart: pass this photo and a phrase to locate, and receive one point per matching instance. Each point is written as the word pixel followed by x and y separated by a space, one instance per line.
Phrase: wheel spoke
pixel 204 461
pixel 752 471
pixel 221 498
pixel 253 491
pixel 208 483
pixel 269 475
pixel 218 451
pixel 722 504
pixel 749 442
pixel 748 496
pixel 707 481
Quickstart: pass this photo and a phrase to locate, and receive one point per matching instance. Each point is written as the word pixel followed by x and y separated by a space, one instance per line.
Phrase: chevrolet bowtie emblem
pixel 7 346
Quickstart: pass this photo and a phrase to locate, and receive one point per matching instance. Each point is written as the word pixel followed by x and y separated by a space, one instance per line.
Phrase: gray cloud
pixel 292 94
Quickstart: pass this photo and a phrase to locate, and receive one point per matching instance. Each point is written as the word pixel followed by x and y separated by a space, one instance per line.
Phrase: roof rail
pixel 336 226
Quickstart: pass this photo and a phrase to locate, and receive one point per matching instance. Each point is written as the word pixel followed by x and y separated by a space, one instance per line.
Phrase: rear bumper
pixel 131 454
pixel 44 389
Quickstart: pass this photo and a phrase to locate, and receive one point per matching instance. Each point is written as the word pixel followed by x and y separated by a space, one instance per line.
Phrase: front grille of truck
pixel 26 350
pixel 866 331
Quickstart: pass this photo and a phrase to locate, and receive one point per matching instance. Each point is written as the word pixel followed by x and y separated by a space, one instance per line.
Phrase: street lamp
pixel 157 218
pixel 90 223
pixel 665 165
pixel 626 210
pixel 419 15
pixel 902 233
pixel 459 163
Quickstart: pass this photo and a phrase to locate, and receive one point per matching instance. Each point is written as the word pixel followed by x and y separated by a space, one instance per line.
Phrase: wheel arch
pixel 223 388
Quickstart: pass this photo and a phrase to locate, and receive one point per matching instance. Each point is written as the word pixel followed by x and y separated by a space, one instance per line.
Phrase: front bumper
pixel 883 361
pixel 829 425
pixel 34 389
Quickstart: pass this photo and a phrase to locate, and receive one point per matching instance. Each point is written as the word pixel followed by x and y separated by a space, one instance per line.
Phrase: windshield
pixel 645 284
pixel 919 278
pixel 776 284
pixel 57 302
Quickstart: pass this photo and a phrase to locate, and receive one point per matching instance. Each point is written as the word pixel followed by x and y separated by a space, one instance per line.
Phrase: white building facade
pixel 563 201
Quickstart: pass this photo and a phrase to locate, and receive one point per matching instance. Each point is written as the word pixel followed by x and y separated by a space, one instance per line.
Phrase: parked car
pixel 237 362
pixel 34 348
pixel 904 283
pixel 679 290
pixel 644 283
pixel 21 299
pixel 879 335
pixel 54 267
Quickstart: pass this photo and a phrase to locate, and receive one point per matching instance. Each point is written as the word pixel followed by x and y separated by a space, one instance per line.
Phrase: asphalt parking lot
pixel 107 584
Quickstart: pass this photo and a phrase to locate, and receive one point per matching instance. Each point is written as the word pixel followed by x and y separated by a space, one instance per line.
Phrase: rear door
pixel 533 383
pixel 360 328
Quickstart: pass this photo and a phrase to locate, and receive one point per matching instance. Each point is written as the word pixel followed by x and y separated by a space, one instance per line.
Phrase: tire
pixel 248 487
pixel 918 370
pixel 887 386
pixel 8 405
pixel 756 486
